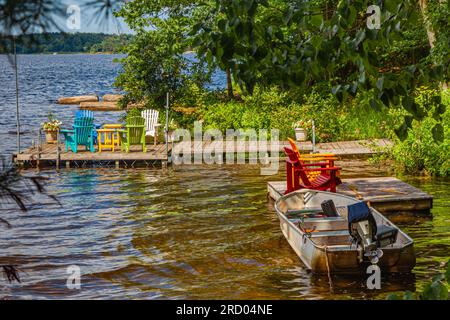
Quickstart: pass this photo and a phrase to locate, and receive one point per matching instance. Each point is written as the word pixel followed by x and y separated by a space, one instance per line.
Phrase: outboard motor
pixel 363 229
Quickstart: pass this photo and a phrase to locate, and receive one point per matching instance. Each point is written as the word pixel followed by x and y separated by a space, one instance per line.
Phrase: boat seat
pixel 336 233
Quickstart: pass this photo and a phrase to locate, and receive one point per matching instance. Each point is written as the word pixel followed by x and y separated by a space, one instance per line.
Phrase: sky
pixel 88 19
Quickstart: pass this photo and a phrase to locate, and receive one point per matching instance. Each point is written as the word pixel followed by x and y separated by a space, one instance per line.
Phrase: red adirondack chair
pixel 297 178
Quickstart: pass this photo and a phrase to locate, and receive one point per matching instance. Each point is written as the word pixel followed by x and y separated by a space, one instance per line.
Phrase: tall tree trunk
pixel 229 85
pixel 423 4
pixel 430 32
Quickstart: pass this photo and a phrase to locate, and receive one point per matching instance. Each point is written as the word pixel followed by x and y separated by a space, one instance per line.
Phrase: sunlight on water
pixel 188 232
pixel 201 232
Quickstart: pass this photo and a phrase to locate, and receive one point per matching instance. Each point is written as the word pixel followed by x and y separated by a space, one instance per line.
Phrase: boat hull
pixel 336 257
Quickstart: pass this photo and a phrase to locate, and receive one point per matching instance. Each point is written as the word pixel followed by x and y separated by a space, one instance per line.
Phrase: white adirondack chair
pixel 151 123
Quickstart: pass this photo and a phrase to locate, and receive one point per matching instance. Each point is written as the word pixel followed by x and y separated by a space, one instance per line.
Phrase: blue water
pixel 45 78
pixel 193 232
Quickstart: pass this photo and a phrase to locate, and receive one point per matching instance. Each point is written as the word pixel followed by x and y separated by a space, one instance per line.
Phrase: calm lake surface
pixel 197 232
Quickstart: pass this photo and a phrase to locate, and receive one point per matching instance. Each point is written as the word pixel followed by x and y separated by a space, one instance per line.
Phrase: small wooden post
pixel 58 154
pixel 38 162
pixel 117 164
pixel 68 164
pixel 313 137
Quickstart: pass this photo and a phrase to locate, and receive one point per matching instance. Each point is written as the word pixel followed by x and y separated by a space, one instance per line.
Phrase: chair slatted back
pixel 84 114
pixel 297 163
pixel 83 127
pixel 151 118
pixel 295 149
pixel 135 129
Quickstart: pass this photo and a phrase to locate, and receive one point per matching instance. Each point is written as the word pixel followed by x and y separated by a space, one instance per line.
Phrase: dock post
pixel 68 164
pixel 58 155
pixel 117 164
pixel 38 161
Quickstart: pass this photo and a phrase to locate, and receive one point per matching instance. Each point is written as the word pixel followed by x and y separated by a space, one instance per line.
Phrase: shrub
pixel 419 151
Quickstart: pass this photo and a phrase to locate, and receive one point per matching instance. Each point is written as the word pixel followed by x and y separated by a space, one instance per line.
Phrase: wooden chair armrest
pixel 319 158
pixel 291 161
pixel 318 164
pixel 327 155
pixel 321 169
pixel 158 124
pixel 67 131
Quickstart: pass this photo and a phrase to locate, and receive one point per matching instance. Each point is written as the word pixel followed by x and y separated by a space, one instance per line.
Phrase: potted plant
pixel 300 128
pixel 51 127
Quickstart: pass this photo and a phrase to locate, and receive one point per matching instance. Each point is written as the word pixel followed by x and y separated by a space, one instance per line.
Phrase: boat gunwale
pixel 326 248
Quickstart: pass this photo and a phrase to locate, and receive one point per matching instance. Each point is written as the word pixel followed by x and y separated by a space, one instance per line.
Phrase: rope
pixel 328 270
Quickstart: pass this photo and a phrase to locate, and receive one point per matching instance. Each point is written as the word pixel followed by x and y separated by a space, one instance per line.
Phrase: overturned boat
pixel 333 233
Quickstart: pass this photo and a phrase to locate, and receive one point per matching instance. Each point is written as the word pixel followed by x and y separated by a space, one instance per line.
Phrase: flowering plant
pixel 52 124
pixel 301 124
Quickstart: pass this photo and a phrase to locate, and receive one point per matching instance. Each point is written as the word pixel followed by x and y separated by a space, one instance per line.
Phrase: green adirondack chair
pixel 81 134
pixel 133 134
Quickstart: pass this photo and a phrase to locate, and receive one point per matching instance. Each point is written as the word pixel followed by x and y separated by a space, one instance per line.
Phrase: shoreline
pixel 64 53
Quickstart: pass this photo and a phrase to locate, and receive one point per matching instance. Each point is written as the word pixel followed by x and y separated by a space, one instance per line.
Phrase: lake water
pixel 198 232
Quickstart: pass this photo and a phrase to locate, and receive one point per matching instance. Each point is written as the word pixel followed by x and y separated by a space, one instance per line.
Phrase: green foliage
pixel 275 108
pixel 420 151
pixel 69 42
pixel 155 62
pixel 437 289
pixel 293 44
pixel 299 60
pixel 112 44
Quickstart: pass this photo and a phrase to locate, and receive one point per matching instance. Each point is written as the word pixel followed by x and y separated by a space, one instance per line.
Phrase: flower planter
pixel 51 136
pixel 300 134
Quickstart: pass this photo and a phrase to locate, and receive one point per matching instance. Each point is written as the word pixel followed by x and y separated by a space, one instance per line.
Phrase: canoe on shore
pixel 324 244
pixel 77 99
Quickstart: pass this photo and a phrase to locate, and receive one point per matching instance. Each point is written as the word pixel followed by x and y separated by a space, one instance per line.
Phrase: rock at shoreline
pixel 112 97
pixel 77 99
pixel 100 106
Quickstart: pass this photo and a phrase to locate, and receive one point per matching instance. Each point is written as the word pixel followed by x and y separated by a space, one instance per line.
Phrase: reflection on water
pixel 186 232
pixel 190 232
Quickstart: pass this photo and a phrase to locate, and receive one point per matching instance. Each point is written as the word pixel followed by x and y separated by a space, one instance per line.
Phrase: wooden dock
pixel 48 156
pixel 386 194
pixel 341 148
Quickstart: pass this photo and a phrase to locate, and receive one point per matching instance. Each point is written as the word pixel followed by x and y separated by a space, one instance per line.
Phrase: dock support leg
pixel 117 164
pixel 68 164
pixel 58 155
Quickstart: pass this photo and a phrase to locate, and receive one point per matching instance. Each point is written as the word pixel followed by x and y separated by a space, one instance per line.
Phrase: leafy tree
pixel 68 42
pixel 156 63
pixel 298 43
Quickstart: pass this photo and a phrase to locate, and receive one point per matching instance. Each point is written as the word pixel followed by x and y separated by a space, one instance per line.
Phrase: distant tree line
pixel 69 43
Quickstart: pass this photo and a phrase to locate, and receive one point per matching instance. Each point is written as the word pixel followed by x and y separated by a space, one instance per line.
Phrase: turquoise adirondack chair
pixel 133 134
pixel 89 114
pixel 81 134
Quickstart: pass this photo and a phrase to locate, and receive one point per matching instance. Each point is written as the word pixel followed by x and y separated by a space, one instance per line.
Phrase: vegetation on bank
pixel 283 66
pixel 437 289
pixel 69 43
